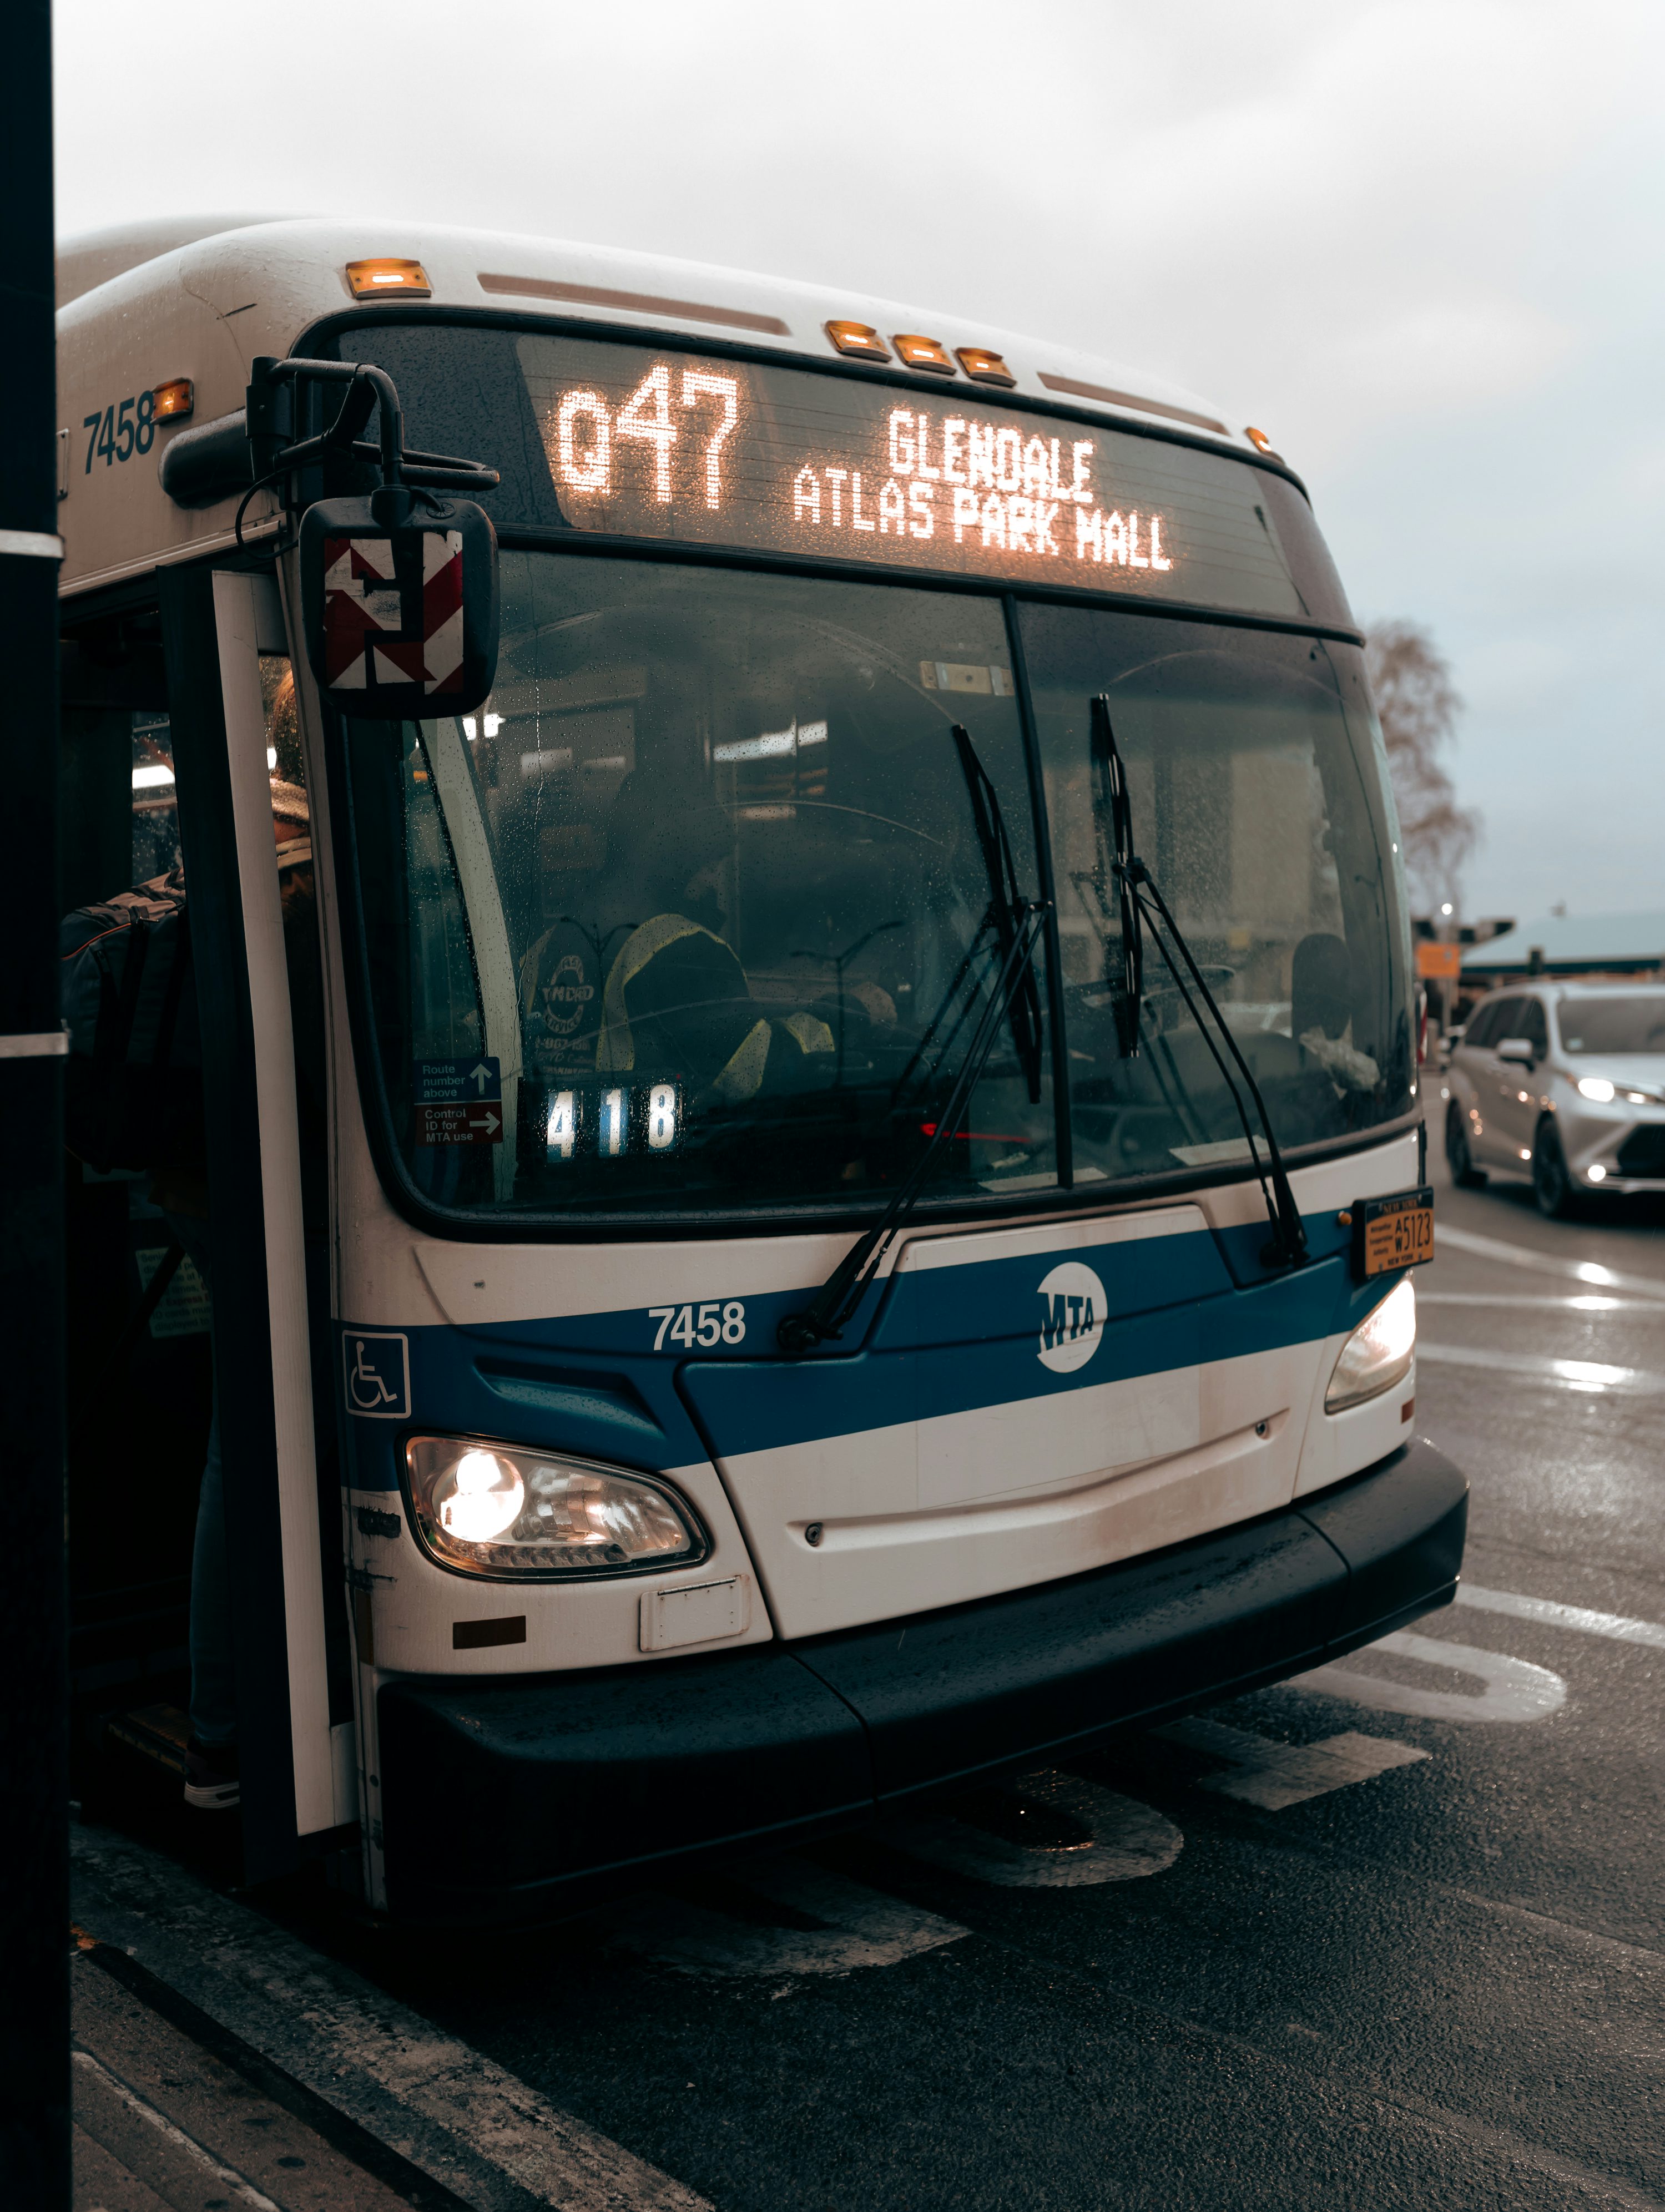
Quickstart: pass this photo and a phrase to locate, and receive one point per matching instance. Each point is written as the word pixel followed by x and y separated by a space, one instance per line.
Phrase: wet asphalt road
pixel 1424 1966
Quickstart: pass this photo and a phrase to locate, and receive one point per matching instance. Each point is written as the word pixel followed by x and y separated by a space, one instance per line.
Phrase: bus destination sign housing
pixel 647 443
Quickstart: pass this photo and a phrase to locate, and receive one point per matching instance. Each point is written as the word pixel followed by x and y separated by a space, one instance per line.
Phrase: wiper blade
pixel 1015 924
pixel 831 1309
pixel 1141 900
pixel 1006 907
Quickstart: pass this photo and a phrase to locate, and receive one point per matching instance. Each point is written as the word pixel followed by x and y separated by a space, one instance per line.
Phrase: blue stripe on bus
pixel 948 1340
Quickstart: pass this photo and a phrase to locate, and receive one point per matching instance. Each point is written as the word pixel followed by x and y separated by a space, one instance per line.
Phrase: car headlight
pixel 1596 1087
pixel 1378 1354
pixel 492 1509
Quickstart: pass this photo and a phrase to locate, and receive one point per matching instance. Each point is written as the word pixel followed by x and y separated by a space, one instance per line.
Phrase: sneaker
pixel 210 1775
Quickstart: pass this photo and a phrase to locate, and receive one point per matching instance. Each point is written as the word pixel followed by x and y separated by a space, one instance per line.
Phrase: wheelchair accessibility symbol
pixel 378 1374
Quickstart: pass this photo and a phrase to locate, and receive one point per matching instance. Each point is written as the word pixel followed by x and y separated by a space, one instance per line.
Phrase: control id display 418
pixel 644 443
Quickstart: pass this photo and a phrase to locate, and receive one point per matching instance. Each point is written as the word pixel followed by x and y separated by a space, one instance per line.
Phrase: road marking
pixel 1274 1775
pixel 1123 1840
pixel 1546 1263
pixel 1618 1625
pixel 1514 1690
pixel 850 1926
pixel 464 2120
pixel 1588 1303
pixel 228 2176
pixel 1592 1376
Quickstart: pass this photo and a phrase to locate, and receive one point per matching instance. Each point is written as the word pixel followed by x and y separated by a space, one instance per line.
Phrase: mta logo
pixel 1071 1316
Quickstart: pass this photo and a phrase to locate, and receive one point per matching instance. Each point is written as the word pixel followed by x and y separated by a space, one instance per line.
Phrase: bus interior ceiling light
pixel 860 339
pixel 917 352
pixel 1378 1354
pixel 173 401
pixel 384 273
pixel 497 1509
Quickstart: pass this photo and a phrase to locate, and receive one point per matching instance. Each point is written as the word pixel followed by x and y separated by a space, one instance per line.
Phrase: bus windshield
pixel 694 916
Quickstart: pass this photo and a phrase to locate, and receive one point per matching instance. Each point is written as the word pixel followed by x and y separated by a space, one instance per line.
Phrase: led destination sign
pixel 644 443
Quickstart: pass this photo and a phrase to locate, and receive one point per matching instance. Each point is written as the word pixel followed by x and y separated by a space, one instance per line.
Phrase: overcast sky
pixel 1419 243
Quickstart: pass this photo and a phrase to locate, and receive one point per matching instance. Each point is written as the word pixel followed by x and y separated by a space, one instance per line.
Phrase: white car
pixel 1562 1084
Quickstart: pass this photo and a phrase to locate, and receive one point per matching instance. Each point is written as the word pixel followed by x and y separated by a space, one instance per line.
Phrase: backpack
pixel 133 1086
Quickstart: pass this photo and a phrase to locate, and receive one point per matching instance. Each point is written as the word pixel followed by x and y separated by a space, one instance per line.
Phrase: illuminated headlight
pixel 1377 1354
pixel 493 1508
pixel 1596 1087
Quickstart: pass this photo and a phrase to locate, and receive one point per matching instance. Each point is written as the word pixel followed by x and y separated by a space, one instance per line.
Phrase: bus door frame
pixel 297 1773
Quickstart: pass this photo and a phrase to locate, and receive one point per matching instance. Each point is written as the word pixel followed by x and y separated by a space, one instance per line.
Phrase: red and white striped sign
pixel 366 642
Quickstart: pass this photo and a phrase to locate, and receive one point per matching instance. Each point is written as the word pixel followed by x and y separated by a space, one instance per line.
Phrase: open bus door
pixel 166 694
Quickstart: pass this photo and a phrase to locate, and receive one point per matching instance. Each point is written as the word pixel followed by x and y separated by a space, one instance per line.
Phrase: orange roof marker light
pixel 1259 440
pixel 860 339
pixel 986 368
pixel 172 401
pixel 916 352
pixel 374 280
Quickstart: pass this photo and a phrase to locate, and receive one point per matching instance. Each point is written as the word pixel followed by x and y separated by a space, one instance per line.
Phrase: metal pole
pixel 34 1911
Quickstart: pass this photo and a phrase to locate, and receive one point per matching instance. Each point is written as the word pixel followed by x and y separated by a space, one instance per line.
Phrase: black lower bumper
pixel 531 1795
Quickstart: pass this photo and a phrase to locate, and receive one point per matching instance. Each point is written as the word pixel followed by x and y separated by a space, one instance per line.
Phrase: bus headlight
pixel 492 1509
pixel 1378 1354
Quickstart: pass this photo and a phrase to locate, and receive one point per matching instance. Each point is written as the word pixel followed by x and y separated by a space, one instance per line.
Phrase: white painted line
pixel 1546 1263
pixel 1593 1376
pixel 1124 1840
pixel 449 2110
pixel 1587 1302
pixel 1274 1775
pixel 228 2176
pixel 1514 1691
pixel 1618 1625
pixel 851 1927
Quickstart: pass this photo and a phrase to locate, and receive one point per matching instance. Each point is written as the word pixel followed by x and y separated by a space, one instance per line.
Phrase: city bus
pixel 826 1213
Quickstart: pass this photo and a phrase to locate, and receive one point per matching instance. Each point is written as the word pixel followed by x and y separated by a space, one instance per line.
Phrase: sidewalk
pixel 223 2064
pixel 162 2120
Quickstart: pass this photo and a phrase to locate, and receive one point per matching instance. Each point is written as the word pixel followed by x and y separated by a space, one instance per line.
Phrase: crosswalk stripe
pixel 1546 1263
pixel 1274 1775
pixel 1620 1626
pixel 1592 1375
pixel 849 1926
pixel 1514 1690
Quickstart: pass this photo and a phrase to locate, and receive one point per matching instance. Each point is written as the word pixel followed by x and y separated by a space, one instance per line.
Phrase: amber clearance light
pixel 923 353
pixel 986 366
pixel 172 401
pixel 371 280
pixel 860 339
pixel 1258 439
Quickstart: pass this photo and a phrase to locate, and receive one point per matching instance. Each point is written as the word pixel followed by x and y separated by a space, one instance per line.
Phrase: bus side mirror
pixel 398 601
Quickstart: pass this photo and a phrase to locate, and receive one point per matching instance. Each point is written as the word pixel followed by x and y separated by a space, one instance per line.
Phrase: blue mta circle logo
pixel 1071 1316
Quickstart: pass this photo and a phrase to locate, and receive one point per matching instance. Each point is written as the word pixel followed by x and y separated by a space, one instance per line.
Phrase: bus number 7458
pixel 716 1323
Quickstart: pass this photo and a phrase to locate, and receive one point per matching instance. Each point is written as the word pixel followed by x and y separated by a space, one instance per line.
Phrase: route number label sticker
pixel 458 1101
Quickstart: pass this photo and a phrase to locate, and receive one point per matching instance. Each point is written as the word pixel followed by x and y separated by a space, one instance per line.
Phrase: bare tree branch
pixel 1418 705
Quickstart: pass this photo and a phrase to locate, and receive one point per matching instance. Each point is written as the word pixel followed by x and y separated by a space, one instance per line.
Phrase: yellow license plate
pixel 1390 1233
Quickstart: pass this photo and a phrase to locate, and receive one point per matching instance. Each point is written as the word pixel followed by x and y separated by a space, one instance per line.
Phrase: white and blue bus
pixel 833 1217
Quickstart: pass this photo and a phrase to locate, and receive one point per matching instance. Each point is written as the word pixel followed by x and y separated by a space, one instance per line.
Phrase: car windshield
pixel 1628 1025
pixel 695 916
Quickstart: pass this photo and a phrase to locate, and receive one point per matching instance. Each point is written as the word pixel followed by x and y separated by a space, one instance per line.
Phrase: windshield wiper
pixel 1141 901
pixel 1016 924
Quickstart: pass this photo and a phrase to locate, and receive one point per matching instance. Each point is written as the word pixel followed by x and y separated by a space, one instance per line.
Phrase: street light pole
pixel 35 1983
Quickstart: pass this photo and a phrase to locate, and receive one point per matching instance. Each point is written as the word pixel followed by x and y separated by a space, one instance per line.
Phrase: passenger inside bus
pixel 173 1153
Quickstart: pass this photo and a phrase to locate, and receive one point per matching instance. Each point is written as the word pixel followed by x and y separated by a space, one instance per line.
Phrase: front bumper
pixel 520 1797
